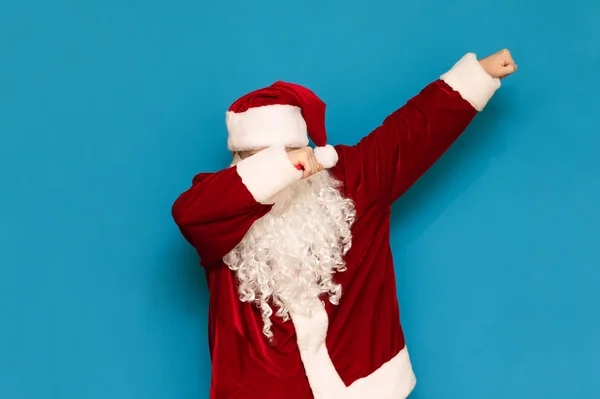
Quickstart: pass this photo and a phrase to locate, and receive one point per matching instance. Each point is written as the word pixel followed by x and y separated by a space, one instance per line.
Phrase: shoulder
pixel 202 176
pixel 348 171
pixel 347 162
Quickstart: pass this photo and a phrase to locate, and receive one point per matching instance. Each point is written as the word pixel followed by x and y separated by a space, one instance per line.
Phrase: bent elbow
pixel 181 212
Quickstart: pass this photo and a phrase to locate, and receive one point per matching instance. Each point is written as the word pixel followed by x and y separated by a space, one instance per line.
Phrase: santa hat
pixel 283 114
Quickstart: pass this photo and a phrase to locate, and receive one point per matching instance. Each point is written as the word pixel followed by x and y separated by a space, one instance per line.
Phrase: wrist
pixel 485 67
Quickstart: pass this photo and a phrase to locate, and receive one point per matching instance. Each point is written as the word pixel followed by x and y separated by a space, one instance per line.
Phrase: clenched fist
pixel 304 159
pixel 499 65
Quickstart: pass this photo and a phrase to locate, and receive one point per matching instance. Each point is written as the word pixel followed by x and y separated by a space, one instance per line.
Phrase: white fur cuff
pixel 267 173
pixel 472 81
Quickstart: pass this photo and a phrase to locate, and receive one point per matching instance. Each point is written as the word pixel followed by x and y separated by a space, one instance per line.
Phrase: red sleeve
pixel 219 208
pixel 393 156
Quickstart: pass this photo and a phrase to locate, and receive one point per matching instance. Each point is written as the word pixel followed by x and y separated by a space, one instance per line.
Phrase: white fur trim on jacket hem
pixel 267 172
pixel 472 81
pixel 266 126
pixel 395 379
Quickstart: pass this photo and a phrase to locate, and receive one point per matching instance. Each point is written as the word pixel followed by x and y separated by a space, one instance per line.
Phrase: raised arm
pixel 219 208
pixel 393 156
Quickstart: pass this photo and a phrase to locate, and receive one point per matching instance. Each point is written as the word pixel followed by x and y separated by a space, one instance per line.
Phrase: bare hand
pixel 305 160
pixel 499 65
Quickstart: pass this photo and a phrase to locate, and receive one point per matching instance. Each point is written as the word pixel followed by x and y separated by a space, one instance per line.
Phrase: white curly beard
pixel 289 256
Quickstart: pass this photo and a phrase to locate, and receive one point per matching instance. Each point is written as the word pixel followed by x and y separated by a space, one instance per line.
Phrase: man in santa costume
pixel 295 241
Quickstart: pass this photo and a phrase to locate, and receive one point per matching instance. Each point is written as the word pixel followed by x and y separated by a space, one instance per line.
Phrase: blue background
pixel 107 110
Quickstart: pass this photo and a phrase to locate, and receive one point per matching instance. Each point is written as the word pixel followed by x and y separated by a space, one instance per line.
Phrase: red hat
pixel 284 114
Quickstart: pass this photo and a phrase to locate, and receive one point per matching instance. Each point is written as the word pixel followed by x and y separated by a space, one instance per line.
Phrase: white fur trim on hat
pixel 327 156
pixel 266 126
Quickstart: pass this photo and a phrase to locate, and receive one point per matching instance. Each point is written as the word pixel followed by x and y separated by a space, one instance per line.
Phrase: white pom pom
pixel 327 156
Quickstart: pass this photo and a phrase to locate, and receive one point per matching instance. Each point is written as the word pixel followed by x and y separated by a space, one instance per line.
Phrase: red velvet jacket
pixel 355 349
